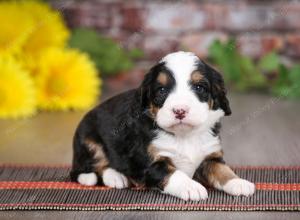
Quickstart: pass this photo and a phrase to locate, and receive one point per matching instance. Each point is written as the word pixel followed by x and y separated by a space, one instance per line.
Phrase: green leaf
pixel 244 74
pixel 136 53
pixel 294 77
pixel 287 82
pixel 283 76
pixel 109 57
pixel 239 70
pixel 270 62
pixel 294 74
pixel 223 55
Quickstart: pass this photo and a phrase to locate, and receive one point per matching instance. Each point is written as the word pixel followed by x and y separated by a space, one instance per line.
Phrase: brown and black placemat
pixel 49 188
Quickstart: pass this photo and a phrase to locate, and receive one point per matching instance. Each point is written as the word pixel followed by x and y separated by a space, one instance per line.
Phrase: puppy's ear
pixel 218 91
pixel 145 90
pixel 145 87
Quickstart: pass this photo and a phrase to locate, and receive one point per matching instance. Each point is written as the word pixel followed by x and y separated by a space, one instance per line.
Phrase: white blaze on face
pixel 182 64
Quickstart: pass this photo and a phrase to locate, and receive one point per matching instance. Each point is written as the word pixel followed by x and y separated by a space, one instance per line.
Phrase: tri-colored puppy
pixel 164 134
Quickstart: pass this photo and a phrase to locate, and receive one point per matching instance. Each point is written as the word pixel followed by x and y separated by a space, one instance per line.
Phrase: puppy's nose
pixel 180 112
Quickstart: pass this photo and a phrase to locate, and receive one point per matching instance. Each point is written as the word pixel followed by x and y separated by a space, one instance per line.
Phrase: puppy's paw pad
pixel 182 186
pixel 113 178
pixel 239 187
pixel 87 179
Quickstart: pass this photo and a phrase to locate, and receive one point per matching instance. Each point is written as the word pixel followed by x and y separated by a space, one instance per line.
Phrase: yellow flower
pixel 17 92
pixel 49 29
pixel 15 27
pixel 66 79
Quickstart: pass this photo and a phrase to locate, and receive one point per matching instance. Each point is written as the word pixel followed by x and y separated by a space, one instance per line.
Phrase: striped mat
pixel 49 188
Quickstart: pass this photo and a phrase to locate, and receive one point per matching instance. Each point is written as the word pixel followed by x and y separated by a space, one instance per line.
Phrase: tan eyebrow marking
pixel 196 76
pixel 162 78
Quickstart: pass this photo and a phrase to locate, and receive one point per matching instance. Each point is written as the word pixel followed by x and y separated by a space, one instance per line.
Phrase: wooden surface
pixel 262 131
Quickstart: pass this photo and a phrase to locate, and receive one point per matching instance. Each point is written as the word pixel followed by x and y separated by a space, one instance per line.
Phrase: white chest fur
pixel 186 152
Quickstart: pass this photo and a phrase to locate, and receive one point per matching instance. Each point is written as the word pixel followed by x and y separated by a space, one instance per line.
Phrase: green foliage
pixel 108 56
pixel 287 83
pixel 243 73
pixel 239 71
pixel 270 62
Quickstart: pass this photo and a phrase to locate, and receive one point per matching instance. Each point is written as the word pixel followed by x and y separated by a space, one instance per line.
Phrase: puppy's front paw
pixel 182 186
pixel 113 178
pixel 87 179
pixel 239 187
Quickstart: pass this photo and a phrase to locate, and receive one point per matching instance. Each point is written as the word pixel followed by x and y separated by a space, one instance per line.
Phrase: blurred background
pixel 60 58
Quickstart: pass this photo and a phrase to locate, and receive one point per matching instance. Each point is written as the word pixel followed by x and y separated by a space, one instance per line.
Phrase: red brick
pixel 159 45
pixel 255 44
pixel 87 15
pixel 124 81
pixel 132 18
pixel 250 44
pixel 271 42
pixel 287 16
pixel 174 17
pixel 199 42
pixel 128 40
pixel 160 27
pixel 243 17
pixel 293 45
pixel 215 14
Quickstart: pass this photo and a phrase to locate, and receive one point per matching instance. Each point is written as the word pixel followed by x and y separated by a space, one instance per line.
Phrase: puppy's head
pixel 182 93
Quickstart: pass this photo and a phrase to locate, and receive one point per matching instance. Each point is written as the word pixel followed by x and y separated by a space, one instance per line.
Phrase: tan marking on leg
pixel 220 174
pixel 213 172
pixel 196 77
pixel 101 162
pixel 162 78
pixel 171 169
pixel 153 153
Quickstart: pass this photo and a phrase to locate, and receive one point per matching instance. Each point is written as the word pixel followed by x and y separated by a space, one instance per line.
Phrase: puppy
pixel 164 134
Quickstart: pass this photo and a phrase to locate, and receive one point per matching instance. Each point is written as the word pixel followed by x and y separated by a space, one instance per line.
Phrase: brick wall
pixel 159 27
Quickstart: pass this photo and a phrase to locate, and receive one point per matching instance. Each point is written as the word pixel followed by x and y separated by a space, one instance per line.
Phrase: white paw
pixel 87 179
pixel 239 187
pixel 182 186
pixel 113 178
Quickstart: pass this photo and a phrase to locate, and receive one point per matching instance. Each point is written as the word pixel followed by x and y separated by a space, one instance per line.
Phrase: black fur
pixel 151 88
pixel 203 171
pixel 157 172
pixel 216 87
pixel 202 90
pixel 123 127
pixel 216 129
pixel 124 132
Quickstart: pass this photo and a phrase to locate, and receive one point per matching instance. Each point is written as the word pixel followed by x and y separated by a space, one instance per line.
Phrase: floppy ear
pixel 145 88
pixel 218 91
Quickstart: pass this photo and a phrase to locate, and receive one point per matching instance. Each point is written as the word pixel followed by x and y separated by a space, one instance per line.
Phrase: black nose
pixel 179 113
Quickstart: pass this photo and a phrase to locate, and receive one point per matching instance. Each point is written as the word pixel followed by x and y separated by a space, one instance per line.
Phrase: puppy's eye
pixel 199 88
pixel 163 90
